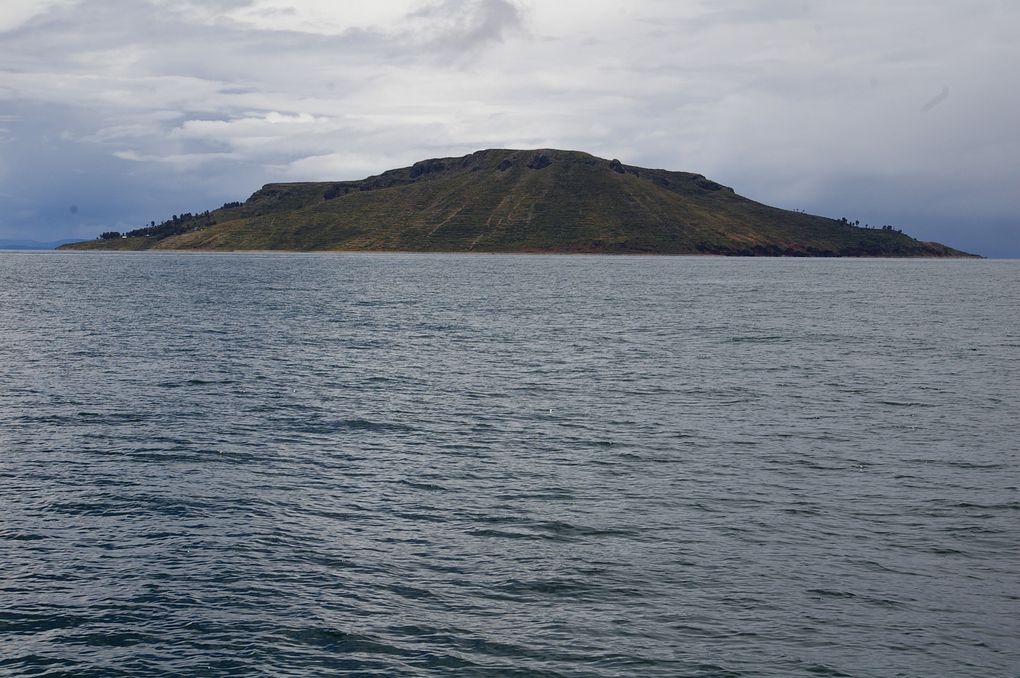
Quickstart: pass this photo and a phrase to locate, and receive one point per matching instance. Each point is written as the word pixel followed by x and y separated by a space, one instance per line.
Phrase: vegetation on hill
pixel 519 201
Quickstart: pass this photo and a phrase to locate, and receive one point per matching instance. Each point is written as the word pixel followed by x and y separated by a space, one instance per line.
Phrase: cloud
pixel 790 102
pixel 466 24
pixel 462 23
pixel 16 13
pixel 324 17
pixel 179 161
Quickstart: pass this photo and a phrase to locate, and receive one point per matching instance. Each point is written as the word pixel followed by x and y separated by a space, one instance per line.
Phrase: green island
pixel 503 200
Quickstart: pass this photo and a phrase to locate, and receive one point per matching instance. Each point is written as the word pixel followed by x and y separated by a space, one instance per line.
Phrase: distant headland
pixel 503 200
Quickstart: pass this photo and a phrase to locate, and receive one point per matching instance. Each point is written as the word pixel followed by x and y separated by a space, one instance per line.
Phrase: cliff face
pixel 520 201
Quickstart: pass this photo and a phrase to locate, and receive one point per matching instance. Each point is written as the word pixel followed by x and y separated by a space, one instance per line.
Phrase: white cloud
pixel 268 125
pixel 334 166
pixel 179 161
pixel 16 13
pixel 324 17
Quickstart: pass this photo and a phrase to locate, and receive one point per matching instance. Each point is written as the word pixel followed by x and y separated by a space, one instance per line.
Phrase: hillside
pixel 519 201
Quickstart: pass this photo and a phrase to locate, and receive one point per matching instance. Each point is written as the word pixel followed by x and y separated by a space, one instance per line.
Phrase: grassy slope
pixel 492 201
pixel 117 244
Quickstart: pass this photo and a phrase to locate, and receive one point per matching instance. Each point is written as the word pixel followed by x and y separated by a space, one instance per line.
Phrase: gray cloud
pixel 471 23
pixel 133 110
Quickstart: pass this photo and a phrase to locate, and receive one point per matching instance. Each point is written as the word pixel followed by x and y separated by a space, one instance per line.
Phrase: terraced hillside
pixel 520 201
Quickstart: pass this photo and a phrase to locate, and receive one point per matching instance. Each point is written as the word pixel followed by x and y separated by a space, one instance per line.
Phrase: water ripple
pixel 396 465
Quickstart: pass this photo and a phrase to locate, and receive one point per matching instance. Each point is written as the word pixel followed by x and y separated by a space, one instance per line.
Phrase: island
pixel 502 200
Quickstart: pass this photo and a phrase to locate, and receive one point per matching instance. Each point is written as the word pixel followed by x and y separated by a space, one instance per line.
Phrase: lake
pixel 482 465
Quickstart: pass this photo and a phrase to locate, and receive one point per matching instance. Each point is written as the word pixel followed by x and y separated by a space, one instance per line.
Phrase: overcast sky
pixel 117 112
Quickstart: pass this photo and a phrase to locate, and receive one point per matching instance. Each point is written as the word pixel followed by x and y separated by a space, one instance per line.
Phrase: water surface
pixel 408 465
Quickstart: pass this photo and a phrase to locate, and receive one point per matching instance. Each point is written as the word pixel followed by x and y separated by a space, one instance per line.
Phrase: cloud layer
pixel 130 110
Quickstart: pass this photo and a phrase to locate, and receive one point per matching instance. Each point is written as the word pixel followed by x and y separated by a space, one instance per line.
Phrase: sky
pixel 114 113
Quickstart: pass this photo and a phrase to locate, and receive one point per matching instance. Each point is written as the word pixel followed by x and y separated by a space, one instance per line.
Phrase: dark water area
pixel 415 465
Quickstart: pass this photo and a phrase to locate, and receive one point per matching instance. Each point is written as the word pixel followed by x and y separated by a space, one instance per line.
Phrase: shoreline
pixel 966 257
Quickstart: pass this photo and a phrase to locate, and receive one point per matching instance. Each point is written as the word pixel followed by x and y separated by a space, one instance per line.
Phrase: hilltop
pixel 518 201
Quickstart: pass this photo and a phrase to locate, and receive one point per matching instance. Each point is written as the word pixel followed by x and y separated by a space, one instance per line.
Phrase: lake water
pixel 414 465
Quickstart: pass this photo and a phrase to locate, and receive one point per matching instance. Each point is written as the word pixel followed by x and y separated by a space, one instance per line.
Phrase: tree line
pixel 175 225
pixel 857 224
